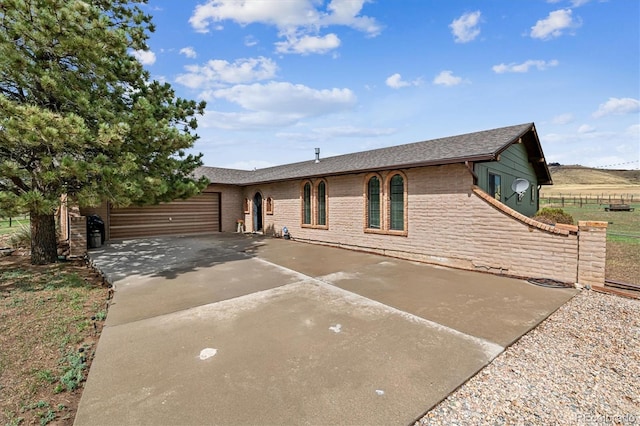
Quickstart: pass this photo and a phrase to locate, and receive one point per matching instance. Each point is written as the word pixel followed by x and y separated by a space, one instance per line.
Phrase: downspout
pixel 469 165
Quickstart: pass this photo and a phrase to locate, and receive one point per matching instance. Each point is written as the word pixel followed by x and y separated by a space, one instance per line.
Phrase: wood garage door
pixel 197 215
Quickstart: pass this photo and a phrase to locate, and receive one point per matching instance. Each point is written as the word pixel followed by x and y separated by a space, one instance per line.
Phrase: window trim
pixel 405 197
pixel 489 182
pixel 367 217
pixel 385 204
pixel 268 205
pixel 533 189
pixel 316 208
pixel 303 206
pixel 314 203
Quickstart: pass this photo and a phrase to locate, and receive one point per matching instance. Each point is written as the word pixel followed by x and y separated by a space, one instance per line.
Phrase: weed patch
pixel 47 314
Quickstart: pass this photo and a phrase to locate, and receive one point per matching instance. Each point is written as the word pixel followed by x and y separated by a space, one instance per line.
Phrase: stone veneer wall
pixel 592 252
pixel 450 222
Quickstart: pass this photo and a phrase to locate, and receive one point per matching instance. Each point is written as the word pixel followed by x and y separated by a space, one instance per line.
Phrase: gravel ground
pixel 580 366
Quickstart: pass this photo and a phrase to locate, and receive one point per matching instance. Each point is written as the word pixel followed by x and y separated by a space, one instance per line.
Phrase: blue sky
pixel 282 77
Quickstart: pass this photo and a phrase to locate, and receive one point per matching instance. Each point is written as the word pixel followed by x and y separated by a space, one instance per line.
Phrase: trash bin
pixel 95 231
pixel 95 239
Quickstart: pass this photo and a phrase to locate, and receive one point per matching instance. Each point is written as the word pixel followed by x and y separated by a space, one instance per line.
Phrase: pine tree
pixel 80 116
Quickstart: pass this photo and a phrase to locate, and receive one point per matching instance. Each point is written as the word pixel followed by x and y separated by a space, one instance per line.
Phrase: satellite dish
pixel 520 186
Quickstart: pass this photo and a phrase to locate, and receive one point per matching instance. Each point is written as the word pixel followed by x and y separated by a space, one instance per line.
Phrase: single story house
pixel 448 201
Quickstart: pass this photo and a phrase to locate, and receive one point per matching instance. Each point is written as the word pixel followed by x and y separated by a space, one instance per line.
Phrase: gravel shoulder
pixel 580 366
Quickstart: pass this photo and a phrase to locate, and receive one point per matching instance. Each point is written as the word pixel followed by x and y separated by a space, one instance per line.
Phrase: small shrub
pixel 74 365
pixel 47 417
pixel 46 376
pixel 21 238
pixel 552 216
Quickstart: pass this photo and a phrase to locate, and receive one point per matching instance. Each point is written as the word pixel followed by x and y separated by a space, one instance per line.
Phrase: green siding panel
pixel 514 163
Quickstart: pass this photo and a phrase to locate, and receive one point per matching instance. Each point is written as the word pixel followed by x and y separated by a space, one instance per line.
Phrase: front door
pixel 257 212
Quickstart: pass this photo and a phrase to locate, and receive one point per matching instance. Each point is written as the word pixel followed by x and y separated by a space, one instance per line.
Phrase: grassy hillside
pixel 572 175
pixel 583 180
pixel 623 232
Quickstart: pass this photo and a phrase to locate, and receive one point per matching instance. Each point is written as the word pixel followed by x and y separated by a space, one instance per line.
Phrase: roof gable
pixel 478 146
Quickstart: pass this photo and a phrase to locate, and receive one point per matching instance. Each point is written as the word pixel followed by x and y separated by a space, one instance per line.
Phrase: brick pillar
pixel 592 252
pixel 78 236
pixel 63 218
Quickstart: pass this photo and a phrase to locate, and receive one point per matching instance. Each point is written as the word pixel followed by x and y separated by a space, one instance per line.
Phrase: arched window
pixel 396 203
pixel 269 205
pixel 321 214
pixel 373 203
pixel 306 204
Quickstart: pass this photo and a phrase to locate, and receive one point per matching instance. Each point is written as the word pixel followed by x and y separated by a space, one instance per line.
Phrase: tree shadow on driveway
pixel 169 257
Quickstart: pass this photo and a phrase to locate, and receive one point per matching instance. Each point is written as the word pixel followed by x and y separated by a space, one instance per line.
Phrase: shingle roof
pixel 478 146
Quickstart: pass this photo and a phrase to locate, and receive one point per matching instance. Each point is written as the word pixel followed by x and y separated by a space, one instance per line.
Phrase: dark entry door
pixel 257 212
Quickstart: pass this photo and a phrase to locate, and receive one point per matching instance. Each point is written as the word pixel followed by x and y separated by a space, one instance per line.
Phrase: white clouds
pixel 524 67
pixel 308 44
pixel 562 119
pixel 395 81
pixel 322 134
pixel 299 21
pixel 633 130
pixel 617 106
pixel 574 3
pixel 216 72
pixel 276 104
pixel 465 28
pixel 345 12
pixel 585 128
pixel 446 78
pixel 287 98
pixel 554 25
pixel 250 41
pixel 189 52
pixel 146 57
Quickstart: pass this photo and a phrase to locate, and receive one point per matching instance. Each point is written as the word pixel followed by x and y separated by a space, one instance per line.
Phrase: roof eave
pixel 443 162
pixel 534 152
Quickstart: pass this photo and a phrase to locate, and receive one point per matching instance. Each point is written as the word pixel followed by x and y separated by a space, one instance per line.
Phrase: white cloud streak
pixel 189 52
pixel 554 25
pixel 525 66
pixel 276 104
pixel 395 81
pixel 298 21
pixel 287 98
pixel 465 28
pixel 217 72
pixel 446 78
pixel 308 44
pixel 330 133
pixel 617 106
pixel 146 57
pixel 562 119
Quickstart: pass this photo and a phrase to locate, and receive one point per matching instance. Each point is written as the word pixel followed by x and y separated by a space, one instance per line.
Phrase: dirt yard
pixel 50 321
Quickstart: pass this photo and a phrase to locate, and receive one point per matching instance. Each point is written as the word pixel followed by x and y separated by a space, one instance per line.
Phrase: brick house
pixel 445 201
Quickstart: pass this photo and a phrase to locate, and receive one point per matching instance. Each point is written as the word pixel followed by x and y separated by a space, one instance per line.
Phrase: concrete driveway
pixel 237 329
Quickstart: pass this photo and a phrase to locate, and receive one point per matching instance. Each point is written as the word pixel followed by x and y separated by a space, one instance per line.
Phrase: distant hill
pixel 578 180
pixel 578 175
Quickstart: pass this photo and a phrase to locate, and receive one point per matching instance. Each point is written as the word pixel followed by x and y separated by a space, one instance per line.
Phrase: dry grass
pixel 623 232
pixel 50 321
pixel 623 262
pixel 574 180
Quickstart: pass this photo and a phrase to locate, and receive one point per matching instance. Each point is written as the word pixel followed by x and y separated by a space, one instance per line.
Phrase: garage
pixel 197 215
